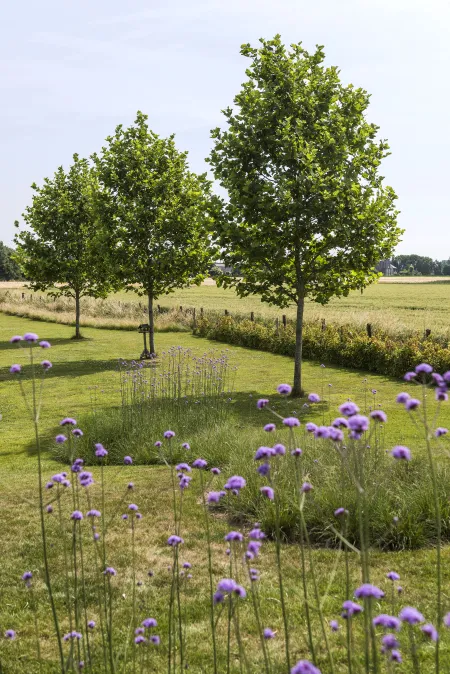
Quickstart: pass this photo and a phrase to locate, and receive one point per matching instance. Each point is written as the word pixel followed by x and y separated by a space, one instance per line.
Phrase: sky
pixel 71 71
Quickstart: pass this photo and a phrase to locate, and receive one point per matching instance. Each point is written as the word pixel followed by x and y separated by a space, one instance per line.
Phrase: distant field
pixel 393 304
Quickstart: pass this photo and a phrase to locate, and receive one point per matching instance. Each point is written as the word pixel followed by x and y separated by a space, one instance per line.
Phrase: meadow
pixel 393 305
pixel 85 383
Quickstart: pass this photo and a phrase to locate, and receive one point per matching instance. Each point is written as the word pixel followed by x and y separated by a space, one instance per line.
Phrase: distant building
pixel 386 267
pixel 220 266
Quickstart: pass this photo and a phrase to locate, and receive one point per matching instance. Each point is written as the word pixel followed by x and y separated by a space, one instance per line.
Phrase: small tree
pixel 66 250
pixel 9 269
pixel 160 213
pixel 308 215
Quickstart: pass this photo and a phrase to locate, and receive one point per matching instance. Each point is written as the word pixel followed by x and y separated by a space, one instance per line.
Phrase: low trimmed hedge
pixel 339 345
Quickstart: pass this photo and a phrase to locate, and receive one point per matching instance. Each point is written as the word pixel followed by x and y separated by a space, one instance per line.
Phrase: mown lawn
pixel 84 374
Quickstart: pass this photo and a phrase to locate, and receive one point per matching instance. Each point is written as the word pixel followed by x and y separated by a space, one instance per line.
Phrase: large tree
pixel 65 249
pixel 9 269
pixel 308 214
pixel 159 213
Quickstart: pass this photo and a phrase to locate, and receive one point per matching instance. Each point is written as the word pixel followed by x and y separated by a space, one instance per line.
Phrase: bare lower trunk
pixel 151 322
pixel 297 388
pixel 77 315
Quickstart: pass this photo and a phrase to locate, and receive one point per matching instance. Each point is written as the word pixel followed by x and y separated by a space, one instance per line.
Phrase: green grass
pixel 84 375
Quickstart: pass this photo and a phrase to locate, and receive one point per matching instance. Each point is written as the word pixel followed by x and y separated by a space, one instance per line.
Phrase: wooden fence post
pixel 323 324
pixel 427 332
pixel 201 312
pixel 284 321
pixel 252 316
pixel 369 330
pixel 159 309
pixel 193 317
pixel 23 296
pixel 181 308
pixel 277 326
pixel 226 312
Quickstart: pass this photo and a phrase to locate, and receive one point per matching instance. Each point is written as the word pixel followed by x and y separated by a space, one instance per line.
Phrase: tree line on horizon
pixel 307 213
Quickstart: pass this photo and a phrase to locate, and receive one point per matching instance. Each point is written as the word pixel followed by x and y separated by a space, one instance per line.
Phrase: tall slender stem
pixel 211 583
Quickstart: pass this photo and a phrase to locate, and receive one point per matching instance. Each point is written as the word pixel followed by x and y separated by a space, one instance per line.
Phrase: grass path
pixel 87 368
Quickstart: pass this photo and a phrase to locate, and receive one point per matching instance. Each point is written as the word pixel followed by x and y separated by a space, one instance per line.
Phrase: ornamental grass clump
pixel 362 624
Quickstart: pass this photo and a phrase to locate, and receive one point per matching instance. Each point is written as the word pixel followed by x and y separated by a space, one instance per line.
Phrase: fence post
pixel 159 309
pixel 181 308
pixel 201 312
pixel 427 332
pixel 23 296
pixel 226 312
pixel 369 330
pixel 252 316
pixel 277 326
pixel 193 317
pixel 341 333
pixel 323 324
pixel 284 321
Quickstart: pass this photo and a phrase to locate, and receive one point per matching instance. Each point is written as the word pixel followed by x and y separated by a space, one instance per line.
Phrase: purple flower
pixel 368 590
pixel 304 667
pixel 234 536
pixel 110 571
pixel 340 422
pixel 226 585
pixel 27 576
pixel 409 376
pixel 313 398
pixel 358 424
pixel 44 344
pixel 268 633
pixel 125 516
pixel 215 471
pixel 15 339
pixel 253 548
pixel 310 427
pixel 76 515
pixel 392 575
pixel 441 395
pixel 339 512
pixel 183 467
pixel 334 625
pixel 322 432
pixel 174 541
pixel 93 513
pixel 268 492
pixel 235 482
pixel 91 624
pixel 262 402
pixel 149 622
pixel 169 434
pixel 68 421
pixel 296 452
pixel 263 469
pixel 185 445
pixel 291 422
pixel 389 622
pixel 49 509
pixel 279 449
pixel 46 364
pixel 158 443
pixel 439 432
pixel 60 439
pixel 403 397
pixel 240 591
pixel 30 337
pixel 269 428
pixel 256 533
pixel 72 635
pixel 389 642
pixel 379 415
pixel 400 452
pixel 447 620
pixel 140 639
pixel 100 451
pixel 306 486
pixel 155 639
pixel 351 608
pixel 133 507
pixel 424 368
pixel 199 463
pixel 284 389
pixel 77 432
pixel 411 615
pixel 412 404
pixel 127 460
pixel 263 453
pixel 214 496
pixel 348 409
pixel 10 634
pixel 218 597
pixel 396 656
pixel 430 631
pixel 15 369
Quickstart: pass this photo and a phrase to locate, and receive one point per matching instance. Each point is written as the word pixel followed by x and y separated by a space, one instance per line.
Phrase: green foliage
pixel 65 250
pixel 413 264
pixel 158 211
pixel 349 346
pixel 308 214
pixel 9 269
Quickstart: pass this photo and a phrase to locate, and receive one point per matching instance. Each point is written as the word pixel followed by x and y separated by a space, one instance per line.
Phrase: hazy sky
pixel 71 70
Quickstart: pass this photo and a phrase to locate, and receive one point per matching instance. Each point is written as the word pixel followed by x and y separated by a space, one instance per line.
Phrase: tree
pixel 66 250
pixel 9 269
pixel 159 212
pixel 308 214
pixel 421 264
pixel 446 269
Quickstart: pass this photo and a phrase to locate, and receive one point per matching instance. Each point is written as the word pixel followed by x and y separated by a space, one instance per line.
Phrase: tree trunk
pixel 151 323
pixel 77 315
pixel 297 388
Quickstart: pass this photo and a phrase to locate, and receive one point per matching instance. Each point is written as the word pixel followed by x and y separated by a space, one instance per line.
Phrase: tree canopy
pixel 158 212
pixel 9 269
pixel 65 250
pixel 308 213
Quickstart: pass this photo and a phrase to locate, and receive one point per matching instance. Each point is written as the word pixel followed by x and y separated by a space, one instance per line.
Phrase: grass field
pixel 411 305
pixel 84 374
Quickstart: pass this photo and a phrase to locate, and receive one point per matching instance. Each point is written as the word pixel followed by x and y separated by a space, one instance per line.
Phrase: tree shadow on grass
pixel 73 368
pixel 57 341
